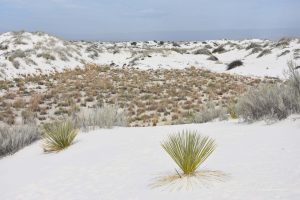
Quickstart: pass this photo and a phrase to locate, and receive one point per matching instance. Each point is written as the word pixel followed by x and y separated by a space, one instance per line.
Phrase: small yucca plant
pixel 58 136
pixel 189 150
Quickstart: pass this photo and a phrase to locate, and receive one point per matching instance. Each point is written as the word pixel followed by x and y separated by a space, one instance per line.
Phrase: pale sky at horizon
pixel 155 19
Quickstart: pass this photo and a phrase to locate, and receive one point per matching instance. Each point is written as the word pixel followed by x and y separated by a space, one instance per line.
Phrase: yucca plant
pixel 189 150
pixel 58 136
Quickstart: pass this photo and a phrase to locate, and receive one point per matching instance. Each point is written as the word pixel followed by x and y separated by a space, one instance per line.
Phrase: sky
pixel 153 19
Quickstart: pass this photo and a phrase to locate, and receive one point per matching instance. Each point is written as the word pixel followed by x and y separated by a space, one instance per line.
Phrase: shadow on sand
pixel 175 181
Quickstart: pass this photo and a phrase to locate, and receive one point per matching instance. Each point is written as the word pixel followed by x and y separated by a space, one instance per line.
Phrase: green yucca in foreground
pixel 58 136
pixel 189 150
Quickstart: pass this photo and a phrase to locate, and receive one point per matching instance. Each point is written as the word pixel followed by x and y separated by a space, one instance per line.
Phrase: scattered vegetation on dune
pixel 148 97
pixel 58 136
pixel 189 150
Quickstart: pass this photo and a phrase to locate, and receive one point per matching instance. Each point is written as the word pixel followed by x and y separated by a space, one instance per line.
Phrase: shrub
pixel 101 117
pixel 202 51
pixel 189 150
pixel 58 136
pixel 283 42
pixel 46 56
pixel 234 64
pixel 293 78
pixel 3 47
pixel 133 43
pixel 264 101
pixel 256 50
pixel 272 102
pixel 212 58
pixel 14 138
pixel 264 52
pixel 209 113
pixel 175 44
pixel 253 45
pixel 17 54
pixel 219 49
pixel 284 53
pixel 16 64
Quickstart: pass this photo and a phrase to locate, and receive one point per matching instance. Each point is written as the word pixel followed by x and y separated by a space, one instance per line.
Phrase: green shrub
pixel 189 150
pixel 58 136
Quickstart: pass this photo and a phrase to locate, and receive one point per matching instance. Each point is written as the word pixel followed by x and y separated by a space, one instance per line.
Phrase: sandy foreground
pixel 252 161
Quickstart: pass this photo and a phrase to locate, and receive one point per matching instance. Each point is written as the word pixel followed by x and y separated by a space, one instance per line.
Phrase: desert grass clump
pixel 106 116
pixel 208 113
pixel 58 136
pixel 14 138
pixel 189 150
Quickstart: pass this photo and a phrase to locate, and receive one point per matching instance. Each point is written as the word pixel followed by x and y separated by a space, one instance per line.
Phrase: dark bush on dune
pixel 202 51
pixel 253 45
pixel 208 46
pixel 133 43
pixel 284 53
pixel 212 58
pixel 234 64
pixel 219 49
pixel 175 44
pixel 264 52
pixel 283 42
pixel 3 47
pixel 256 50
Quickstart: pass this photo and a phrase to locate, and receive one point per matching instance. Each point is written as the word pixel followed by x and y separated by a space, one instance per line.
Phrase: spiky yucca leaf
pixel 58 136
pixel 189 150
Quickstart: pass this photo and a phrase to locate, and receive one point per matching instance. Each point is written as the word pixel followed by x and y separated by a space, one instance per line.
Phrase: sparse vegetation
pixel 149 97
pixel 189 150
